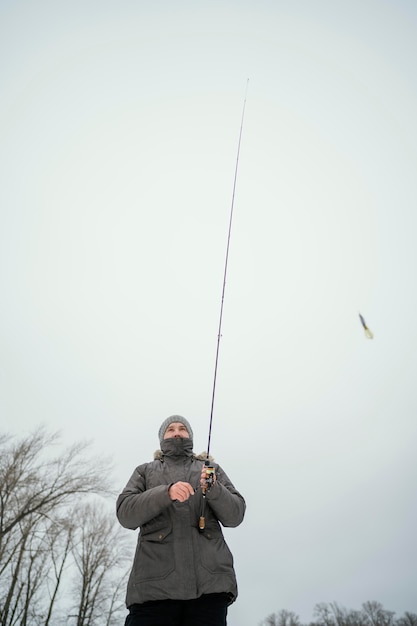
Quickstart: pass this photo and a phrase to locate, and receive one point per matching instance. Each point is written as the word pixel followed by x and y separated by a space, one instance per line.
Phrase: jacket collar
pixel 159 454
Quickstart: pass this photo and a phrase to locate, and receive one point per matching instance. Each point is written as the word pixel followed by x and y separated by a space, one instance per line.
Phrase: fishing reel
pixel 209 477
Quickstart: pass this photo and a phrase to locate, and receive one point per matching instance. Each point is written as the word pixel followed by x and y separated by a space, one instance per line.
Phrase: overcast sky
pixel 119 125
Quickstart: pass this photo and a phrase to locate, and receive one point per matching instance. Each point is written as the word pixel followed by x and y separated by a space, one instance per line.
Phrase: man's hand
pixel 180 491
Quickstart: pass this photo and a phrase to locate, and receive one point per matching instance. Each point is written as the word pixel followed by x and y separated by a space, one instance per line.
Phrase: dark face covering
pixel 177 446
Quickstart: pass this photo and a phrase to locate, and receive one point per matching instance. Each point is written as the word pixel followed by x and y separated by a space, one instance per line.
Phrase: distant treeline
pixel 371 613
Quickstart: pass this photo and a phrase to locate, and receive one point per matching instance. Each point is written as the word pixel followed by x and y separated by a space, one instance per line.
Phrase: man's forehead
pixel 180 424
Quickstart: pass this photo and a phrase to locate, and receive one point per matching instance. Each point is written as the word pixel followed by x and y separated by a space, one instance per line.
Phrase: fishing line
pixel 219 334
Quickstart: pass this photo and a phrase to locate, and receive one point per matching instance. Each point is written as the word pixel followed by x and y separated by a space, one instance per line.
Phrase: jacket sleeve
pixel 225 501
pixel 136 505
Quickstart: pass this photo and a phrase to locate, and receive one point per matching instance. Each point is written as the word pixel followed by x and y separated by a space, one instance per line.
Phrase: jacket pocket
pixel 154 555
pixel 215 555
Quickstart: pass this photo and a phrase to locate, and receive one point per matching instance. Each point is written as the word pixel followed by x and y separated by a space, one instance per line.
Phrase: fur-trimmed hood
pixel 159 455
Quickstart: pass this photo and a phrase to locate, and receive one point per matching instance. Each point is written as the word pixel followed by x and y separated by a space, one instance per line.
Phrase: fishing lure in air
pixel 368 333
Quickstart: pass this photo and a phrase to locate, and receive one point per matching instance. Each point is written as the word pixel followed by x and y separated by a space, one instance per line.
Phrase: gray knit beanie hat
pixel 171 420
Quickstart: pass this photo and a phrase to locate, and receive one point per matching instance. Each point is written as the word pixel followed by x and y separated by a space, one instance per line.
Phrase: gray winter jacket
pixel 174 559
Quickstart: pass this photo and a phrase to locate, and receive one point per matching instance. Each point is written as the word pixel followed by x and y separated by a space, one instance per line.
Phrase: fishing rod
pixel 209 469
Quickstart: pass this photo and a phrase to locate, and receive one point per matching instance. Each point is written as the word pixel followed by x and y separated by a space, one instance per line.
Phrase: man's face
pixel 176 429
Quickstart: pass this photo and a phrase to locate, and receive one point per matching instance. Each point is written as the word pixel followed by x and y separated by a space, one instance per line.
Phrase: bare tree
pixel 355 618
pixel 374 614
pixel 333 614
pixel 100 554
pixel 12 586
pixel 36 488
pixel 371 614
pixel 60 541
pixel 115 602
pixel 343 616
pixel 269 621
pixel 408 619
pixel 32 484
pixel 325 614
pixel 283 618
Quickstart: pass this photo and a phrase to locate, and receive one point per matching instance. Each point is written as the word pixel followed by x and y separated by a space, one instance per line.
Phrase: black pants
pixel 208 610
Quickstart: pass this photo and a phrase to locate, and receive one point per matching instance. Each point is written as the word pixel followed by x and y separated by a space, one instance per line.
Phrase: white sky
pixel 119 124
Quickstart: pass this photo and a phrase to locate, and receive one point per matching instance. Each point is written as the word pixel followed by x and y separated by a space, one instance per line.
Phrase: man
pixel 183 571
